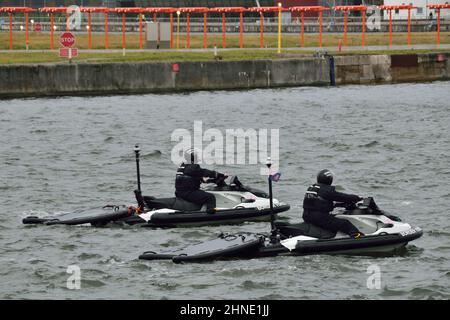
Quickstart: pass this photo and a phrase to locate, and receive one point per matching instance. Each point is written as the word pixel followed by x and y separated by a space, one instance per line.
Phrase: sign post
pixel 67 40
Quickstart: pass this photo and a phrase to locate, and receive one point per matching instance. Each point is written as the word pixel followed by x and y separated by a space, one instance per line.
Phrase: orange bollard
pixel 345 28
pixel 89 31
pixel 261 29
pixel 10 31
pixel 241 27
pixel 27 39
pixel 302 15
pixel 390 28
pixel 320 29
pixel 106 31
pixel 171 30
pixel 52 30
pixel 363 35
pixel 340 45
pixel 188 31
pixel 224 40
pixel 205 40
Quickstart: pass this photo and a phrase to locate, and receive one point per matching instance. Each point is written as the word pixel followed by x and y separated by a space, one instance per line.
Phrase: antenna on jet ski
pixel 137 150
pixel 138 192
pixel 273 235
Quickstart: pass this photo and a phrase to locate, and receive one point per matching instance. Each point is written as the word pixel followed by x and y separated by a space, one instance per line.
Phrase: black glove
pixel 220 176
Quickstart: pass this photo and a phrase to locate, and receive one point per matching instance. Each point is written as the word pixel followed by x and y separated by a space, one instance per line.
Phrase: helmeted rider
pixel 189 178
pixel 319 202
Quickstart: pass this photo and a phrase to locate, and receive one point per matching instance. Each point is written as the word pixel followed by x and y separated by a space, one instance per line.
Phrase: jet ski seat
pixel 171 203
pixel 303 229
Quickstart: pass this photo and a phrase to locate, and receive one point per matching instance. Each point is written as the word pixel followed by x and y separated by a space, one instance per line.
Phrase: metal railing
pixel 250 25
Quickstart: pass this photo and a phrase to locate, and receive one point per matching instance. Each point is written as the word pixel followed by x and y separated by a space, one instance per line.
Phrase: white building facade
pixel 422 11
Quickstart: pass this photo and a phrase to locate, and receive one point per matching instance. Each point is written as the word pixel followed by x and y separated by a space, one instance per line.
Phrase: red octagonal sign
pixel 67 39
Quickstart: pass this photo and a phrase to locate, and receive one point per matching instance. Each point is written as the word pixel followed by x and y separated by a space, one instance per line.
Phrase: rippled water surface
pixel 391 142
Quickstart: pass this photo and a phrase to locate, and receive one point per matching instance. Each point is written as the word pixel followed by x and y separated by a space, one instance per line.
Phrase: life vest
pixel 184 182
pixel 313 200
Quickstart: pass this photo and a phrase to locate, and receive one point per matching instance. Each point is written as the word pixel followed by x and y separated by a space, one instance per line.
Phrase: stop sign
pixel 67 39
pixel 38 27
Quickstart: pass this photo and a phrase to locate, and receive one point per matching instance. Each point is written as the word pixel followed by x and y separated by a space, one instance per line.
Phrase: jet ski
pixel 236 203
pixel 384 235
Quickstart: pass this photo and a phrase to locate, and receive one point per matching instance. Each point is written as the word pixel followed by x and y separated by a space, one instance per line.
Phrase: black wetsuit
pixel 319 202
pixel 187 184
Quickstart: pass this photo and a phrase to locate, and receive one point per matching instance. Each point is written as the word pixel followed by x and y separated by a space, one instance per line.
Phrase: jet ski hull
pixel 95 216
pixel 220 248
pixel 258 246
pixel 367 245
pixel 191 219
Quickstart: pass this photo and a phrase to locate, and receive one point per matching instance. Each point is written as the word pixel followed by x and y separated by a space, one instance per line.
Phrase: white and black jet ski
pixel 384 234
pixel 235 203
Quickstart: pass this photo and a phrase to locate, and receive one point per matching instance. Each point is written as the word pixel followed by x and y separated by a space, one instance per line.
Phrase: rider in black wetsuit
pixel 319 202
pixel 188 179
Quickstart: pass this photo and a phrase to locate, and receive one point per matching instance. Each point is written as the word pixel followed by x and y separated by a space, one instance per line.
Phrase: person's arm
pixel 195 170
pixel 334 195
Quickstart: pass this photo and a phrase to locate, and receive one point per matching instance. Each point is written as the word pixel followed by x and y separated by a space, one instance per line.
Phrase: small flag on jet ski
pixel 275 177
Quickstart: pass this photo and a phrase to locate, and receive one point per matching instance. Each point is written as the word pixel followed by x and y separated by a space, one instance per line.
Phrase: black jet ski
pixel 384 234
pixel 236 203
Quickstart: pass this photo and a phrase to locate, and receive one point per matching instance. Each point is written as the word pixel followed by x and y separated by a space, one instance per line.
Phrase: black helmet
pixel 325 177
pixel 191 155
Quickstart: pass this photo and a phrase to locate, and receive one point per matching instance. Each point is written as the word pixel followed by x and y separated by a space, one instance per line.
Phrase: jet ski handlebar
pixel 220 180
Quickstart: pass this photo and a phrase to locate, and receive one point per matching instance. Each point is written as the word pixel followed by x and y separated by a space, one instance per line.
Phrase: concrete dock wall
pixel 372 69
pixel 116 78
pixel 110 78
